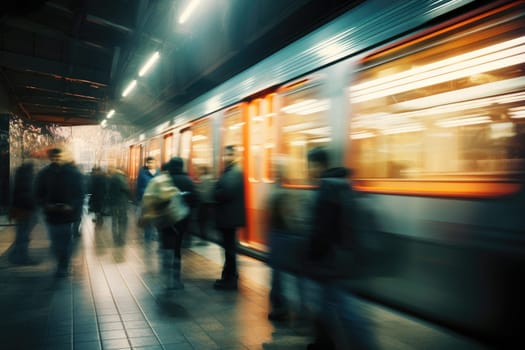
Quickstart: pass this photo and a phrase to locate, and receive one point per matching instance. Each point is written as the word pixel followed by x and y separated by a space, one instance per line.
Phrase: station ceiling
pixel 68 61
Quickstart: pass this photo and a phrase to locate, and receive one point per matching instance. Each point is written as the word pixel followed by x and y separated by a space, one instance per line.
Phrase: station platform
pixel 115 299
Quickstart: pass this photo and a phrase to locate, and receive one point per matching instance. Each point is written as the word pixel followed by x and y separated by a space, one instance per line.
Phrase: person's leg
pixel 229 271
pixel 177 261
pixel 230 259
pixel 61 238
pixel 123 224
pixel 278 307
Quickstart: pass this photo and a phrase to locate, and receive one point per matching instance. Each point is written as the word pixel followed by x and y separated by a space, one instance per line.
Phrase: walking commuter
pixel 146 173
pixel 338 324
pixel 171 235
pixel 118 197
pixel 98 190
pixel 205 188
pixel 23 211
pixel 229 215
pixel 59 191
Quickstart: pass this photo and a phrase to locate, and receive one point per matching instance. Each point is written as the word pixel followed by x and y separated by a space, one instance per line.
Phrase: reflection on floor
pixel 115 299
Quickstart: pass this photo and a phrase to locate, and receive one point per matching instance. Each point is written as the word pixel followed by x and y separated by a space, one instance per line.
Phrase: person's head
pixel 175 165
pixel 229 155
pixel 151 163
pixel 318 161
pixel 55 155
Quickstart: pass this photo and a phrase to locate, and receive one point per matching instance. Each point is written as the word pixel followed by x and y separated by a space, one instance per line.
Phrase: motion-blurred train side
pixel 425 101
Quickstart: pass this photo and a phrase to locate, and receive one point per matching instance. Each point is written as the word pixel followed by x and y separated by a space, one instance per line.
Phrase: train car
pixel 425 101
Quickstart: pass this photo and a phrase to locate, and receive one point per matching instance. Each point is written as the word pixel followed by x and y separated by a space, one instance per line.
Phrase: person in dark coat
pixel 98 190
pixel 171 235
pixel 23 211
pixel 118 197
pixel 230 215
pixel 327 234
pixel 59 191
pixel 146 173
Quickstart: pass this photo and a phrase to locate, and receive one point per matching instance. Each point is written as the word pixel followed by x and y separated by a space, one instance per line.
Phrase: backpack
pixel 163 203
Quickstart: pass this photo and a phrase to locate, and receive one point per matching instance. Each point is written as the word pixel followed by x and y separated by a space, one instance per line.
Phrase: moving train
pixel 425 102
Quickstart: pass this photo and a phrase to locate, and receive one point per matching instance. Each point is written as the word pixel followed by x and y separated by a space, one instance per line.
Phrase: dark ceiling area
pixel 68 61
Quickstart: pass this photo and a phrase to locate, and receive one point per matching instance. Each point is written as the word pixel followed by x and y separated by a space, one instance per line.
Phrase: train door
pixel 233 133
pixel 185 148
pixel 167 147
pixel 154 150
pixel 135 162
pixel 259 154
pixel 201 148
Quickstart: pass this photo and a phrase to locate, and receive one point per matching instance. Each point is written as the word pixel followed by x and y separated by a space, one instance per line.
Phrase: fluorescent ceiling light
pixel 148 64
pixel 517 112
pixel 187 12
pixel 450 123
pixel 104 122
pixel 130 87
pixel 404 129
pixel 321 140
pixel 110 113
pixel 488 59
pixel 198 138
pixel 306 107
pixel 325 130
pixel 498 87
pixel 361 135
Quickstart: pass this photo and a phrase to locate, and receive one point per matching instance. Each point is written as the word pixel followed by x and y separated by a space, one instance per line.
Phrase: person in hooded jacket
pixel 171 235
pixel 326 235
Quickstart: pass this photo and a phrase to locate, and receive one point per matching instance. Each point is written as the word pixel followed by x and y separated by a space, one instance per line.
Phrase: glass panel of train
pixel 443 114
pixel 304 125
pixel 202 148
pixel 153 150
pixel 185 148
pixel 167 147
pixel 259 154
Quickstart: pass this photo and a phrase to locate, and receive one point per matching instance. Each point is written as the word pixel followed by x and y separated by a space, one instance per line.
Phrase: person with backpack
pixel 338 324
pixel 167 202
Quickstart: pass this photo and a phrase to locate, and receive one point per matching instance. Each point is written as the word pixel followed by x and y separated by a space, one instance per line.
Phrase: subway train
pixel 425 102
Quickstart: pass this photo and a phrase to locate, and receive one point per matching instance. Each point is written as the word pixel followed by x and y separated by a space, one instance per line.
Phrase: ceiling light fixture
pixel 130 87
pixel 145 68
pixel 187 12
pixel 110 113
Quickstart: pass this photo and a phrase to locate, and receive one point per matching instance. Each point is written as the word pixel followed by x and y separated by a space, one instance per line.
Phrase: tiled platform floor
pixel 115 299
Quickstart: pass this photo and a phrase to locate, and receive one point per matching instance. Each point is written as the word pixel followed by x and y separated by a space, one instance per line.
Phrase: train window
pixel 262 143
pixel 185 149
pixel 135 161
pixel 202 147
pixel 154 148
pixel 304 125
pixel 233 130
pixel 445 111
pixel 167 148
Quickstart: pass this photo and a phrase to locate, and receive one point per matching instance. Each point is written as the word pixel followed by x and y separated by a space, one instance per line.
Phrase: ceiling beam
pixel 33 27
pixel 41 65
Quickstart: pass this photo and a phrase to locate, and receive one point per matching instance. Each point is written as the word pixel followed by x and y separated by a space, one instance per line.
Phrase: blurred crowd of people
pixel 300 235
